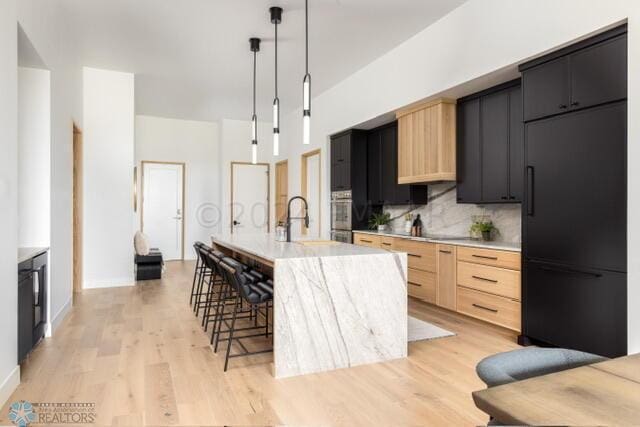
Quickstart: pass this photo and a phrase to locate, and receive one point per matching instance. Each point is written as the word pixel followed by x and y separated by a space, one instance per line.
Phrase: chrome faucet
pixel 289 218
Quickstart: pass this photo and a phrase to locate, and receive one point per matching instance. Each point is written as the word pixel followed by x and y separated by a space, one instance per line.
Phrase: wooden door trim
pixel 280 164
pixel 303 185
pixel 268 165
pixel 184 195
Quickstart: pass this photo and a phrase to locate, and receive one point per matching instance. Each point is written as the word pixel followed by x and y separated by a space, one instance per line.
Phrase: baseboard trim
pixel 9 385
pixel 111 283
pixel 56 321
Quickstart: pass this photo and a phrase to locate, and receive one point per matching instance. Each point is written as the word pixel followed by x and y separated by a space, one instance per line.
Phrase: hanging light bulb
pixel 306 84
pixel 255 48
pixel 276 18
pixel 276 127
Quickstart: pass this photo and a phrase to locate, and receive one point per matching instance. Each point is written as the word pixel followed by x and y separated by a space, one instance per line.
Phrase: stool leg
pixel 233 325
pixel 220 309
pixel 266 320
pixel 195 274
pixel 199 295
pixel 207 301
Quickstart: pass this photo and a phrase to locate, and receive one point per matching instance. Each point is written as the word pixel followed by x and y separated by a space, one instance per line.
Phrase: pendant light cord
pixel 276 24
pixel 254 82
pixel 306 34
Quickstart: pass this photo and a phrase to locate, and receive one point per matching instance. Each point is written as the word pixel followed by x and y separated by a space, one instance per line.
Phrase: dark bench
pixel 149 267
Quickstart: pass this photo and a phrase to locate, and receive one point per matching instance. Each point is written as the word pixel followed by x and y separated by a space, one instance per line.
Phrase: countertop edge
pixel 499 246
pixel 25 254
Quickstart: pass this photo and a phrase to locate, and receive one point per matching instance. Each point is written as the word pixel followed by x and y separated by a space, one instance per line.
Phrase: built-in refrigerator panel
pixel 575 212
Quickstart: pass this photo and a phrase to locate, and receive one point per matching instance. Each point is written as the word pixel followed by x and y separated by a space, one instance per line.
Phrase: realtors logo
pixel 24 413
pixel 21 413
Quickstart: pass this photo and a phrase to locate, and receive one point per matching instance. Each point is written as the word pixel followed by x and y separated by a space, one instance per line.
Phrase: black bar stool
pixel 214 286
pixel 203 251
pixel 199 270
pixel 256 294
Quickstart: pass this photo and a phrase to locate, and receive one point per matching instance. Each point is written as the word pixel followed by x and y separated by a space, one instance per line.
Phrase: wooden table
pixel 606 393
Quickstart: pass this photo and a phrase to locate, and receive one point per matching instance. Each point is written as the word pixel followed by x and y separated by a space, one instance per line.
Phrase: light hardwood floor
pixel 140 354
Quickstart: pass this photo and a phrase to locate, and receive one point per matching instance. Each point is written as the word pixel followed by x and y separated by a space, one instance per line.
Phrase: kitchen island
pixel 335 305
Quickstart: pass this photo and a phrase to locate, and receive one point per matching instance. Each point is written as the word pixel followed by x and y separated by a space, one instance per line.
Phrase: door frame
pixel 77 282
pixel 184 195
pixel 303 184
pixel 268 165
pixel 280 164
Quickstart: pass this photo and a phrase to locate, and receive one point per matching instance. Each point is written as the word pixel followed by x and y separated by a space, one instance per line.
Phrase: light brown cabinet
pixel 477 282
pixel 427 142
pixel 446 256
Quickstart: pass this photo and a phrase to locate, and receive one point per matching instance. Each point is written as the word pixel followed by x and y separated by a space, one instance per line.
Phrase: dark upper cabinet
pixel 516 145
pixel 494 134
pixel 583 75
pixel 489 146
pixel 341 162
pixel 383 187
pixel 546 89
pixel 374 168
pixel 598 73
pixel 468 151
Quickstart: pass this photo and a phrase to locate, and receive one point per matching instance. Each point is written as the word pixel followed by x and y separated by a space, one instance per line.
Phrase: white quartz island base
pixel 336 312
pixel 334 306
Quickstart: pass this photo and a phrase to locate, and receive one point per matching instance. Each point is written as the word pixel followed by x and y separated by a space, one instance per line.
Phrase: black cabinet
pixel 584 75
pixel 489 146
pixel 581 309
pixel 382 161
pixel 32 303
pixel 341 162
pixel 576 199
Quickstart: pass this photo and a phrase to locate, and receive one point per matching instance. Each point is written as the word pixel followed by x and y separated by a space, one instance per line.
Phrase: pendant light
pixel 255 48
pixel 276 18
pixel 306 84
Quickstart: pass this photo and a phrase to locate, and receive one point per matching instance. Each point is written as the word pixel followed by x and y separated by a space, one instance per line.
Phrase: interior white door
pixel 162 208
pixel 250 199
pixel 313 194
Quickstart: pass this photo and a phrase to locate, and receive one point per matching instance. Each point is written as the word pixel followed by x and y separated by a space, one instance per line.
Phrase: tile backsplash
pixel 444 216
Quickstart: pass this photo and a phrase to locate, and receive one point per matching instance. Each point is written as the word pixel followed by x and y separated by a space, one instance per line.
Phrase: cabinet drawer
pixel 504 259
pixel 493 280
pixel 420 255
pixel 494 309
pixel 387 243
pixel 422 284
pixel 366 240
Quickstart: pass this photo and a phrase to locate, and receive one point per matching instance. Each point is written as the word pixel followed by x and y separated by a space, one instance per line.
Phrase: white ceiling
pixel 192 60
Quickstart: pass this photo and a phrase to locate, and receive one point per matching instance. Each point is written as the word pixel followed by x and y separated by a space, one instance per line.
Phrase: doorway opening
pixel 250 189
pixel 311 186
pixel 162 209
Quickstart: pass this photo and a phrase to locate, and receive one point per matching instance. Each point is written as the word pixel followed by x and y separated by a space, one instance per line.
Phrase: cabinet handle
pixel 493 258
pixel 570 271
pixel 504 198
pixel 530 189
pixel 493 310
pixel 415 284
pixel 444 252
pixel 415 256
pixel 366 241
pixel 484 279
pixel 575 103
pixel 562 106
pixel 386 244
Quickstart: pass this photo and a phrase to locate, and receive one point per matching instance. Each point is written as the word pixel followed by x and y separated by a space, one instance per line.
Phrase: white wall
pixel 475 40
pixel 9 369
pixel 108 153
pixel 197 145
pixel 235 146
pixel 34 157
pixel 44 22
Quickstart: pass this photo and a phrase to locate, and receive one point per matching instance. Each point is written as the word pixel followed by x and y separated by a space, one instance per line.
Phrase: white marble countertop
pixel 449 240
pixel 265 246
pixel 28 253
